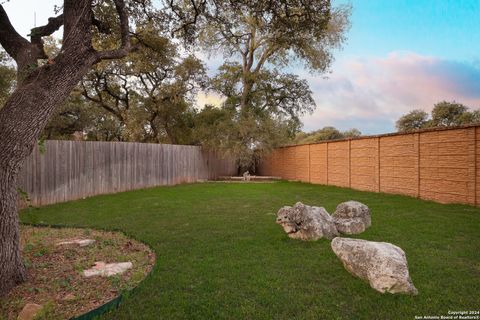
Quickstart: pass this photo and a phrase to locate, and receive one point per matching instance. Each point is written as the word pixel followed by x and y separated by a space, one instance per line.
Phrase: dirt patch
pixel 55 272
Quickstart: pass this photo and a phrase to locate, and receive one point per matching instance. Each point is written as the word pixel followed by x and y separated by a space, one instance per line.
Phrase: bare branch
pixel 186 22
pixel 10 39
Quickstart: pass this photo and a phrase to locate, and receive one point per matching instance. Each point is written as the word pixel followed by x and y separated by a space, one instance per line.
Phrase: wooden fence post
pixel 472 168
pixel 350 162
pixel 378 165
pixel 309 166
pixel 476 164
pixel 327 164
pixel 417 150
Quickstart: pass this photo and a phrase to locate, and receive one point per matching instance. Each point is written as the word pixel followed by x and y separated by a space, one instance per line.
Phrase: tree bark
pixel 12 270
pixel 246 91
pixel 22 120
pixel 26 112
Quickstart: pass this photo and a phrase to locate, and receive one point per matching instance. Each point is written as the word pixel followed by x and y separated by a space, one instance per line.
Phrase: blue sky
pixel 448 29
pixel 400 55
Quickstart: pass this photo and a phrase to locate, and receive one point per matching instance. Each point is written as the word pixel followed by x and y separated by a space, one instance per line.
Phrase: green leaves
pixel 326 133
pixel 7 78
pixel 444 114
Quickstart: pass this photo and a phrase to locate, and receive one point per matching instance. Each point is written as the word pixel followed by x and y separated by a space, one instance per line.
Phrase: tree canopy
pixel 414 120
pixel 444 114
pixel 326 133
pixel 259 39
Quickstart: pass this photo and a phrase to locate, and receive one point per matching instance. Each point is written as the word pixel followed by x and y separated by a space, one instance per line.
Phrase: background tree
pixel 258 39
pixel 245 137
pixel 75 115
pixel 449 114
pixel 150 93
pixel 414 120
pixel 273 32
pixel 352 133
pixel 326 133
pixel 147 96
pixel 272 117
pixel 444 114
pixel 475 117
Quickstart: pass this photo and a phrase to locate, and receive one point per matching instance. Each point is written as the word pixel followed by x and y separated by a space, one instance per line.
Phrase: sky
pixel 399 55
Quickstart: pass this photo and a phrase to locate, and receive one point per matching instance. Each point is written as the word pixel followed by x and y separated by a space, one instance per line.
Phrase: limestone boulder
pixel 382 264
pixel 306 222
pixel 352 217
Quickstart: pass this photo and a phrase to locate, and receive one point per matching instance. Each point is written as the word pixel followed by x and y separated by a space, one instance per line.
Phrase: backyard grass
pixel 220 254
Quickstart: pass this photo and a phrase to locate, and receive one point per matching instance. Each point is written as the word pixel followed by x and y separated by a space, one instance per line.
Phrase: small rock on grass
pixel 29 311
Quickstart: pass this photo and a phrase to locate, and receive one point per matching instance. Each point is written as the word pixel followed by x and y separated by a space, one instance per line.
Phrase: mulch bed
pixel 55 278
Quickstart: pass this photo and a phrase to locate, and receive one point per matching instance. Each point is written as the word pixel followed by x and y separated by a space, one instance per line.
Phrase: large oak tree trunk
pixel 22 120
pixel 12 270
pixel 39 91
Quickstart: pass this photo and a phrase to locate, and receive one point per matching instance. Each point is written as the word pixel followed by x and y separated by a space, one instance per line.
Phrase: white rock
pixel 80 242
pixel 107 269
pixel 306 222
pixel 382 264
pixel 352 217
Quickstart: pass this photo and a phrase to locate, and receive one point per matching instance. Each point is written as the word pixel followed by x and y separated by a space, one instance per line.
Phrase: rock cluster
pixel 312 223
pixel 382 264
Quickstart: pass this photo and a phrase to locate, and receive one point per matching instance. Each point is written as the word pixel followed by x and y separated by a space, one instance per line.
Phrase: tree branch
pixel 126 45
pixel 37 33
pixel 10 40
pixel 266 54
pixel 99 101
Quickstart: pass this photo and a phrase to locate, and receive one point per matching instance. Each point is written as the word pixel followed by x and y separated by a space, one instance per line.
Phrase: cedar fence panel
pixel 70 170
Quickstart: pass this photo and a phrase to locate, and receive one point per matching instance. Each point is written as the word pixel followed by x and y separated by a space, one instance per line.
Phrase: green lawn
pixel 221 255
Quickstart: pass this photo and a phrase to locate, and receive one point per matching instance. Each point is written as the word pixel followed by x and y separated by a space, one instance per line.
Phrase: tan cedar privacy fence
pixel 439 165
pixel 70 170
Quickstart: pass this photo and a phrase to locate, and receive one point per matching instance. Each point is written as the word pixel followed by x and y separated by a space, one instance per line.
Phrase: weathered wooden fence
pixel 69 170
pixel 439 164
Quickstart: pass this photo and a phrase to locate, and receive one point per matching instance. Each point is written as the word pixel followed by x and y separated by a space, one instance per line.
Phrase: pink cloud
pixel 371 93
